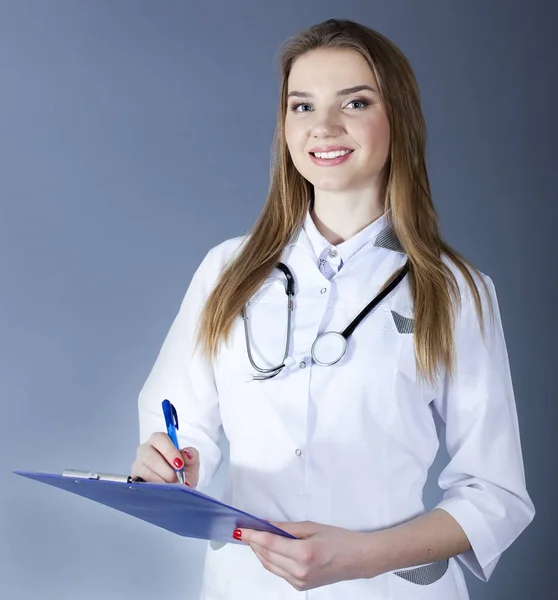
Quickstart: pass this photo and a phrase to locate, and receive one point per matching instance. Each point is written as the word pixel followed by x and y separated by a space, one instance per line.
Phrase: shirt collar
pixel 379 232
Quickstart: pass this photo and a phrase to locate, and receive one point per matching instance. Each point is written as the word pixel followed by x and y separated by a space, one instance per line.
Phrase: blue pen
pixel 171 420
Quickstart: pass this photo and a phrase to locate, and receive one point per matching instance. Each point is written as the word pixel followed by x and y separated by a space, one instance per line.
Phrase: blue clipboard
pixel 173 507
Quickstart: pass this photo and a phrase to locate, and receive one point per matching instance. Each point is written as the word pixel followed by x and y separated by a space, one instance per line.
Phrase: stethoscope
pixel 329 347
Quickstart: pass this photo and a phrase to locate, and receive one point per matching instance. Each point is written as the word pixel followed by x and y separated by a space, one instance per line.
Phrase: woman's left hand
pixel 321 555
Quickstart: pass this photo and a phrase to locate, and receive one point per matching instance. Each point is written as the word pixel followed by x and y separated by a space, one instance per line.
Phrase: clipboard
pixel 171 506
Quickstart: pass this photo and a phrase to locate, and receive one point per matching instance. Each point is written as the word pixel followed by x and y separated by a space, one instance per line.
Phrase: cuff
pixel 484 554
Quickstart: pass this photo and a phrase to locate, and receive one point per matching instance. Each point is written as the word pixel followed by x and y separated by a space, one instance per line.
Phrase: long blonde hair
pixel 407 195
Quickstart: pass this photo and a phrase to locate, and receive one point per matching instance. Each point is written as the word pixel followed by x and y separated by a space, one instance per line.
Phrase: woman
pixel 338 455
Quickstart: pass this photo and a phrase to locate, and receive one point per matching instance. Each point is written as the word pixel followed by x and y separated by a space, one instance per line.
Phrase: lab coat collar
pixel 385 238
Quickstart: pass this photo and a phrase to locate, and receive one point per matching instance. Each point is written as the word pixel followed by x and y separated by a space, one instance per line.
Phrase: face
pixel 334 108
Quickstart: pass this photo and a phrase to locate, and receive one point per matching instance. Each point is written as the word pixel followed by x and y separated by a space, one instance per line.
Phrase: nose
pixel 326 125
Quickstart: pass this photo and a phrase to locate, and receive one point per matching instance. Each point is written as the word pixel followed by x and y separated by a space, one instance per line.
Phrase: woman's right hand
pixel 157 461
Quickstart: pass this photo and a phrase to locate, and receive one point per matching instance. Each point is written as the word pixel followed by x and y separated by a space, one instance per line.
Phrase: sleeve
pixel 187 380
pixel 484 481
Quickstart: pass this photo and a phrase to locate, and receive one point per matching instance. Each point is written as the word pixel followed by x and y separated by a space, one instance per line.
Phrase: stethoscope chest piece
pixel 329 348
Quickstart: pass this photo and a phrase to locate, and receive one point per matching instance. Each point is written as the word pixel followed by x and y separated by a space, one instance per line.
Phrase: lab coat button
pixel 323 290
pixel 302 365
pixel 298 451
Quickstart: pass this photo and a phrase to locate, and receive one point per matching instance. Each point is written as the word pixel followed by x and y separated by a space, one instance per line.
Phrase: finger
pixel 191 455
pixel 140 469
pixel 290 564
pixel 192 465
pixel 285 553
pixel 300 529
pixel 277 544
pixel 163 444
pixel 287 565
pixel 155 461
pixel 271 565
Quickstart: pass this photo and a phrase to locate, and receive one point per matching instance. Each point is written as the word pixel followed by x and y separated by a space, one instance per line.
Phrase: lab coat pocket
pixel 402 328
pixel 404 325
pixel 409 414
pixel 429 582
pixel 409 383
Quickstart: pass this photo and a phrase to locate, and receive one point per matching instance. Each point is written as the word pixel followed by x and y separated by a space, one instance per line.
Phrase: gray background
pixel 135 135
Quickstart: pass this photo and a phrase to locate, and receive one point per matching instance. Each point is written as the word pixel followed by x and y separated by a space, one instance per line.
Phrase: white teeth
pixel 335 154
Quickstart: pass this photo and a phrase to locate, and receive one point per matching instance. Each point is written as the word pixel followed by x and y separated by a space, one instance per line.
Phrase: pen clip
pixel 171 416
pixel 174 416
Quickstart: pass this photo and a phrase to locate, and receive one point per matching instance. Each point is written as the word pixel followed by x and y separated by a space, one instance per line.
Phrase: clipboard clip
pixel 77 474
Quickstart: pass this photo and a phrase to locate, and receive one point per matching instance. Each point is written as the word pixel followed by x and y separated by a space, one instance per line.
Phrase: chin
pixel 331 185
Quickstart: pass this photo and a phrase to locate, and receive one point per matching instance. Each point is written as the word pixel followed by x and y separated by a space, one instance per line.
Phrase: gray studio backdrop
pixel 134 135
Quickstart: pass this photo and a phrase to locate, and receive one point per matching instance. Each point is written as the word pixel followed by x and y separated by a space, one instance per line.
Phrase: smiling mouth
pixel 331 155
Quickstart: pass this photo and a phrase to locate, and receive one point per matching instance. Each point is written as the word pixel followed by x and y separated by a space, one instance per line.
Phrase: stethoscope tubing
pixel 290 291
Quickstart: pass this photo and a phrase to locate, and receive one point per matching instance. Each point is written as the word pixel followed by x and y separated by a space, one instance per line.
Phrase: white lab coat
pixel 348 445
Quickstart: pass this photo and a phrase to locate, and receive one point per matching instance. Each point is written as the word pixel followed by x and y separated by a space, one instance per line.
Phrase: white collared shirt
pixel 348 445
pixel 331 258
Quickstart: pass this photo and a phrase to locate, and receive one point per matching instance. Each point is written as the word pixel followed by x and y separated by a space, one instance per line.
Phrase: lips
pixel 329 149
pixel 330 162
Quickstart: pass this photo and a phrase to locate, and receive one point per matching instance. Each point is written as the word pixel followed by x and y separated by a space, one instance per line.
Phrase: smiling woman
pixel 337 452
pixel 351 116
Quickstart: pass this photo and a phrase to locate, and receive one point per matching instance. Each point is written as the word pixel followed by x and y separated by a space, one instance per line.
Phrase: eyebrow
pixel 345 92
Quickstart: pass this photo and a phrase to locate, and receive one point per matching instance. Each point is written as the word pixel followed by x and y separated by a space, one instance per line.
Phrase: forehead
pixel 329 69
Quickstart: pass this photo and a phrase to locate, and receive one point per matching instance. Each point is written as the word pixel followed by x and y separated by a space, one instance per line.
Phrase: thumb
pixel 189 454
pixel 300 530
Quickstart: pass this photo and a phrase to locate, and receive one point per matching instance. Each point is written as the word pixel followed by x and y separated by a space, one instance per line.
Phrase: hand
pixel 322 554
pixel 157 459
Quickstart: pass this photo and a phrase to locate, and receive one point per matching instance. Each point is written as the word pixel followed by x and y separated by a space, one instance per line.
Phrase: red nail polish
pixel 178 463
pixel 237 534
pixel 189 454
pixel 187 484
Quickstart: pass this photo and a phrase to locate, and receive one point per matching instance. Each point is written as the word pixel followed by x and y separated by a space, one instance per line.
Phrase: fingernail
pixel 178 463
pixel 187 484
pixel 189 454
pixel 237 534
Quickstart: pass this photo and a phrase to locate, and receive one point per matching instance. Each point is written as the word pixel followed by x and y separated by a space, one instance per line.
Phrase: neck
pixel 339 216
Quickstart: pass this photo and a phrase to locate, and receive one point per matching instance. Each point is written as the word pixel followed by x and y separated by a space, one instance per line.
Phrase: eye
pixel 295 107
pixel 363 103
pixel 358 104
